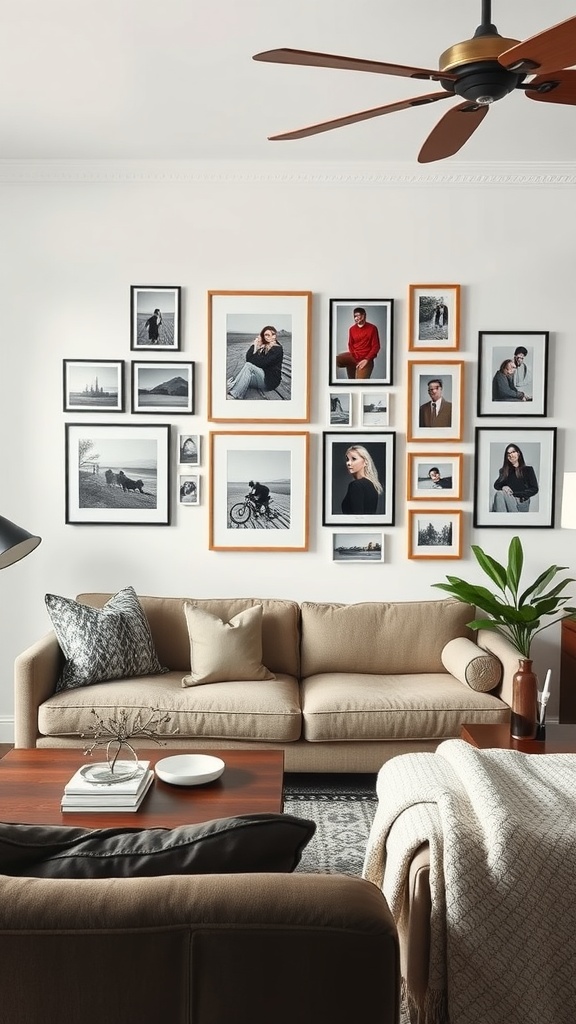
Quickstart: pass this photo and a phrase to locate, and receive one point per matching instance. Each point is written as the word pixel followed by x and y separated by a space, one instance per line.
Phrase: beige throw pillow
pixel 221 651
pixel 470 664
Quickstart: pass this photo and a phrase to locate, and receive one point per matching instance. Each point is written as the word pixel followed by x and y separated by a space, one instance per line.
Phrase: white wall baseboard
pixel 6 729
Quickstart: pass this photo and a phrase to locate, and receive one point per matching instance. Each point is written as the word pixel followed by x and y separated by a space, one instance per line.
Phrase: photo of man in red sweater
pixel 363 347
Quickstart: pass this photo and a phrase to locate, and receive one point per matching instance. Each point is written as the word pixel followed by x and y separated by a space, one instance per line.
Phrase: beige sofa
pixel 204 949
pixel 354 684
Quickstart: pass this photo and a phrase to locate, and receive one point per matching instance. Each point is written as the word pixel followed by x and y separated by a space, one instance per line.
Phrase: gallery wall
pixel 74 240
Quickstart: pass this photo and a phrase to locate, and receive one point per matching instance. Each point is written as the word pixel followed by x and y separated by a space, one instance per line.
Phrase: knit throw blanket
pixel 501 826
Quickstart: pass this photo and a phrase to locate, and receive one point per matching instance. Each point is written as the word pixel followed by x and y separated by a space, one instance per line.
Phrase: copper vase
pixel 524 717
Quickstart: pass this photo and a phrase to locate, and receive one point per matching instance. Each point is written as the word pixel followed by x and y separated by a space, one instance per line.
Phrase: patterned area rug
pixel 343 807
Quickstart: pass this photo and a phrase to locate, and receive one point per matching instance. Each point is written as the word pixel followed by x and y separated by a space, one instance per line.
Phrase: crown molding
pixel 356 174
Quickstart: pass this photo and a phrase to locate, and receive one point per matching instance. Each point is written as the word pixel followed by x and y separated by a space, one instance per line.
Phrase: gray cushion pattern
pixel 113 642
pixel 245 843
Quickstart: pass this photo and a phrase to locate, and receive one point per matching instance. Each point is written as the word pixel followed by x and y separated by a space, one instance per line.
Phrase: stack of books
pixel 80 794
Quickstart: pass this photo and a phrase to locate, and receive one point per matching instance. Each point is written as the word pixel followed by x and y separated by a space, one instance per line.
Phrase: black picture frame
pixel 380 314
pixel 529 351
pixel 520 506
pixel 145 300
pixel 161 388
pixel 93 385
pixel 338 499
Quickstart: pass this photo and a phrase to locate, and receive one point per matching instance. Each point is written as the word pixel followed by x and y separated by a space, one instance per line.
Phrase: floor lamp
pixel 15 543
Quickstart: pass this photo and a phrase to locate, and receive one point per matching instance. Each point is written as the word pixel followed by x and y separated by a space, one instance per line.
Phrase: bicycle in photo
pixel 243 511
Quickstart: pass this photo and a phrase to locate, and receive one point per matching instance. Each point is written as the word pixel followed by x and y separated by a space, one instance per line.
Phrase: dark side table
pixel 560 739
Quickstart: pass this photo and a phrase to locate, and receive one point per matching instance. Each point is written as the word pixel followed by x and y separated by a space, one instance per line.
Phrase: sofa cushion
pixel 248 842
pixel 268 712
pixel 351 706
pixel 470 664
pixel 280 627
pixel 380 637
pixel 222 651
pixel 113 642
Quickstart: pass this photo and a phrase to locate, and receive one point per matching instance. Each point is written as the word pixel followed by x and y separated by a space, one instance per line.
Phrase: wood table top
pixel 32 783
pixel 560 739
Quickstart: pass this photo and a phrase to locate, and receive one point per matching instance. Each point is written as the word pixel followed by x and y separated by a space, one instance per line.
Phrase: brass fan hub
pixel 470 51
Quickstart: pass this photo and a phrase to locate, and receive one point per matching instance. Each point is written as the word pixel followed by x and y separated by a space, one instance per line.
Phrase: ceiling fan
pixel 480 70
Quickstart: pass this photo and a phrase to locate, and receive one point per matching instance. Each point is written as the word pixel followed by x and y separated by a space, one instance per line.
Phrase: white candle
pixel 546 686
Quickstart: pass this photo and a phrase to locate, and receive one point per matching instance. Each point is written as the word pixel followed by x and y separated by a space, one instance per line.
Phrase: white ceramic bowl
pixel 189 769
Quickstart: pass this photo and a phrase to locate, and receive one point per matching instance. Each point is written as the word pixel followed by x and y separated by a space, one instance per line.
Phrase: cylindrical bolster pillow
pixel 471 665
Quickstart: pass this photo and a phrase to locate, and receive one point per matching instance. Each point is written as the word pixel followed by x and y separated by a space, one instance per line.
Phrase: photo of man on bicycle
pixel 259 495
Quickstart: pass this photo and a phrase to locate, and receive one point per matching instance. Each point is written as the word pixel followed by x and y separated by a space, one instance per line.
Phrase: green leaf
pixel 543 580
pixel 515 564
pixel 491 567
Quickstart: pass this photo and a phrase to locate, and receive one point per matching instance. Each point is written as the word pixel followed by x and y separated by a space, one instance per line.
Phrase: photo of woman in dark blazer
pixel 516 483
pixel 361 498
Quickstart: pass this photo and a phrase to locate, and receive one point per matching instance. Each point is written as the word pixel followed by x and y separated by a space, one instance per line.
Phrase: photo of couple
pixel 512 373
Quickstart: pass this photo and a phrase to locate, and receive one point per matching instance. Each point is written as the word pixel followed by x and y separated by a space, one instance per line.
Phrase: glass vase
pixel 524 716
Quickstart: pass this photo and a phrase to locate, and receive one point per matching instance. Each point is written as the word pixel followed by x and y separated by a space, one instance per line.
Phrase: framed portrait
pixel 363 546
pixel 434 315
pixel 435 476
pixel 512 373
pixel 259 491
pixel 434 534
pixel 189 449
pixel 514 477
pixel 117 474
pixel 359 473
pixel 154 317
pixel 259 357
pixel 361 333
pixel 189 489
pixel 375 406
pixel 93 385
pixel 162 387
pixel 340 408
pixel 435 403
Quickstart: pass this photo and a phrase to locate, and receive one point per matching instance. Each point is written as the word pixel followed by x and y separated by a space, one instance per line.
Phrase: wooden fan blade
pixel 452 131
pixel 559 87
pixel 310 58
pixel 547 51
pixel 363 115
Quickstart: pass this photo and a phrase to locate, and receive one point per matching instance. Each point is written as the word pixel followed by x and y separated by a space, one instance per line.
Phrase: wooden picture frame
pixel 363 493
pixel 512 373
pixel 434 317
pixel 93 385
pixel 347 328
pixel 434 476
pixel 248 379
pixel 155 315
pixel 434 533
pixel 423 376
pixel 239 460
pixel 505 498
pixel 117 474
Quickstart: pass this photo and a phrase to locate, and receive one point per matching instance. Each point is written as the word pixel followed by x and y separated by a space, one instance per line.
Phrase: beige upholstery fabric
pixel 471 665
pixel 380 637
pixel 368 707
pixel 280 627
pixel 236 709
pixel 221 651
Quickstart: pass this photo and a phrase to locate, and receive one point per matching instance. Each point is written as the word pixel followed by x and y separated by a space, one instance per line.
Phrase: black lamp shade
pixel 15 543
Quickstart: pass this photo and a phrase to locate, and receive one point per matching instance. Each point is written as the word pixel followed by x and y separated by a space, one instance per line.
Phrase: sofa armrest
pixel 507 654
pixel 202 948
pixel 36 673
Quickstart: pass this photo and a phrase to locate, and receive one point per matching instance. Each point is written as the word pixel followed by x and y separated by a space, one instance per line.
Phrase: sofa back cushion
pixel 380 637
pixel 280 627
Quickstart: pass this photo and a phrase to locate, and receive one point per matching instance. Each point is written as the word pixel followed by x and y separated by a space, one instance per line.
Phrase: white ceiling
pixel 174 79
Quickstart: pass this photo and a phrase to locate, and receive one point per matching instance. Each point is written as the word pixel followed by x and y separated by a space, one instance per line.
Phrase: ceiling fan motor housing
pixel 481 78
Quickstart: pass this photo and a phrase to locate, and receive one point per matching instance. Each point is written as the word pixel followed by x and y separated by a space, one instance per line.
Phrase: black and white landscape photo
pixel 116 474
pixel 93 385
pixel 358 547
pixel 162 387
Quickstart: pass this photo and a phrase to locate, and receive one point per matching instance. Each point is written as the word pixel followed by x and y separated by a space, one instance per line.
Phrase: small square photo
pixel 189 448
pixel 189 490
pixel 375 408
pixel 340 409
pixel 358 547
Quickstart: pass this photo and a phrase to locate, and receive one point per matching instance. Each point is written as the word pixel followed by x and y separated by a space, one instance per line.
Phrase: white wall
pixel 71 248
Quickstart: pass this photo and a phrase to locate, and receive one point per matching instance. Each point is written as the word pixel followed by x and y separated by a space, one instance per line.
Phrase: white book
pixel 71 803
pixel 106 796
pixel 81 785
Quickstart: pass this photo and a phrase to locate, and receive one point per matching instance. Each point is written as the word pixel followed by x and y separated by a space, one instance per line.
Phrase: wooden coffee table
pixel 560 739
pixel 32 782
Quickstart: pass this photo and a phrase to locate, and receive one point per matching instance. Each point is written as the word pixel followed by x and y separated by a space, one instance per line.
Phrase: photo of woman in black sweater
pixel 263 367
pixel 516 483
pixel 361 498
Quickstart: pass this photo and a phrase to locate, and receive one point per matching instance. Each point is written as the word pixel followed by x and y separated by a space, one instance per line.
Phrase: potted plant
pixel 518 616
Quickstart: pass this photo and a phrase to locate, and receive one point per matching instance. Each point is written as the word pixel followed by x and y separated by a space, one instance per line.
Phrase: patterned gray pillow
pixel 113 642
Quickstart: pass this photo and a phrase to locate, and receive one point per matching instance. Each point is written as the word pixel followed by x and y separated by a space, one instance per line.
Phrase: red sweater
pixel 363 342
